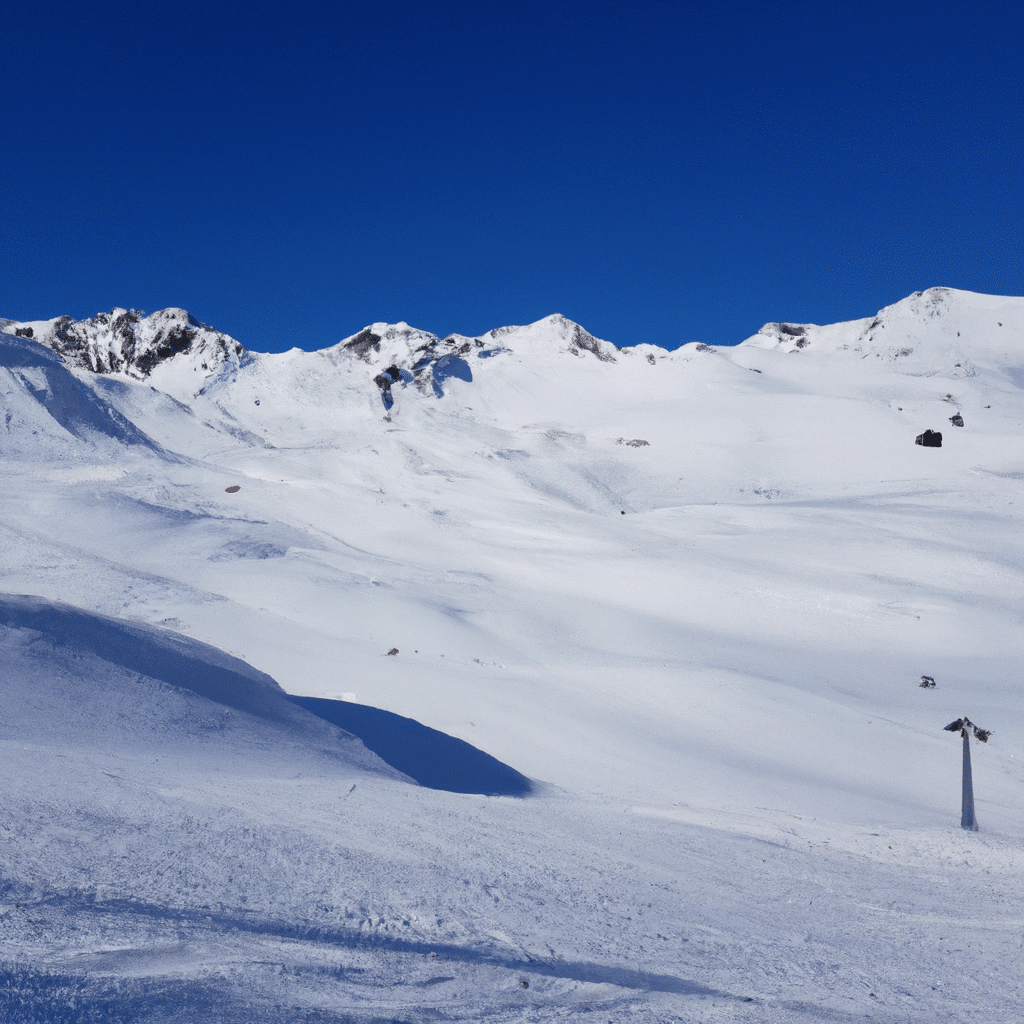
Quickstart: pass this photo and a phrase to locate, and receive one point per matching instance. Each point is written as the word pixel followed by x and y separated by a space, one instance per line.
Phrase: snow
pixel 743 806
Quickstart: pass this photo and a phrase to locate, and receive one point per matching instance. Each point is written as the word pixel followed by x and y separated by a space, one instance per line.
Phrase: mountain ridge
pixel 130 342
pixel 511 375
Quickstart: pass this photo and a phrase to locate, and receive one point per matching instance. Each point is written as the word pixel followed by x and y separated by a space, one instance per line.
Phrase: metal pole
pixel 967 818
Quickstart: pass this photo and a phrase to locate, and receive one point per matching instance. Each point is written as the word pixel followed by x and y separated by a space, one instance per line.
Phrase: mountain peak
pixel 127 341
pixel 926 331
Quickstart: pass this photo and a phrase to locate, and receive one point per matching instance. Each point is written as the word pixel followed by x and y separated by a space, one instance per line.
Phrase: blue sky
pixel 658 172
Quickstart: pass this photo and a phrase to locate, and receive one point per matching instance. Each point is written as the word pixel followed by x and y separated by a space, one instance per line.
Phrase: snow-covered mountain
pixel 128 342
pixel 683 600
pixel 183 355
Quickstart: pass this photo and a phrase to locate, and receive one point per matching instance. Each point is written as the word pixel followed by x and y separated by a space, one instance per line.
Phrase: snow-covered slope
pixel 690 593
pixel 47 409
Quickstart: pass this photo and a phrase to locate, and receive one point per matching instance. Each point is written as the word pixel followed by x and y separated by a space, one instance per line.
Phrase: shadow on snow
pixel 431 758
pixel 520 962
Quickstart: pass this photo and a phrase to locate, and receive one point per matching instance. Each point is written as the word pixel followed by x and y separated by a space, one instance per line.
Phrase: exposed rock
pixel 927 683
pixel 636 442
pixel 582 340
pixel 233 489
pixel 392 652
pixel 929 439
pixel 362 344
pixel 128 341
pixel 957 420
pixel 786 337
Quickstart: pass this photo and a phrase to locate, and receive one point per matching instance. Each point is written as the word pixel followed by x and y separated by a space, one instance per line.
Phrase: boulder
pixel 930 439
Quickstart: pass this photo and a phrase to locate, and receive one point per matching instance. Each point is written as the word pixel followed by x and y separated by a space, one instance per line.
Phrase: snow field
pixel 745 795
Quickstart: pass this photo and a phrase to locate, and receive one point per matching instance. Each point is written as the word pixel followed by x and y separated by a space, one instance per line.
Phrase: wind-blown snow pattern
pixel 677 603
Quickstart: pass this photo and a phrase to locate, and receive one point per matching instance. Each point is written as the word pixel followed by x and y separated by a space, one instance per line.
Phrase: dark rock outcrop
pixel 364 343
pixel 128 341
pixel 929 439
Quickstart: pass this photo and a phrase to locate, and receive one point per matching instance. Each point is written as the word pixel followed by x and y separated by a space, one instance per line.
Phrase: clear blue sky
pixel 661 172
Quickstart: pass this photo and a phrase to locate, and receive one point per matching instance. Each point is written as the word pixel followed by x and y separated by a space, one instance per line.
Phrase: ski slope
pixel 704 651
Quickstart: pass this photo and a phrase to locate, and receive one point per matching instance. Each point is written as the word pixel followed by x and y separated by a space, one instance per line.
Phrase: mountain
pixel 958 325
pixel 128 342
pixel 683 600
